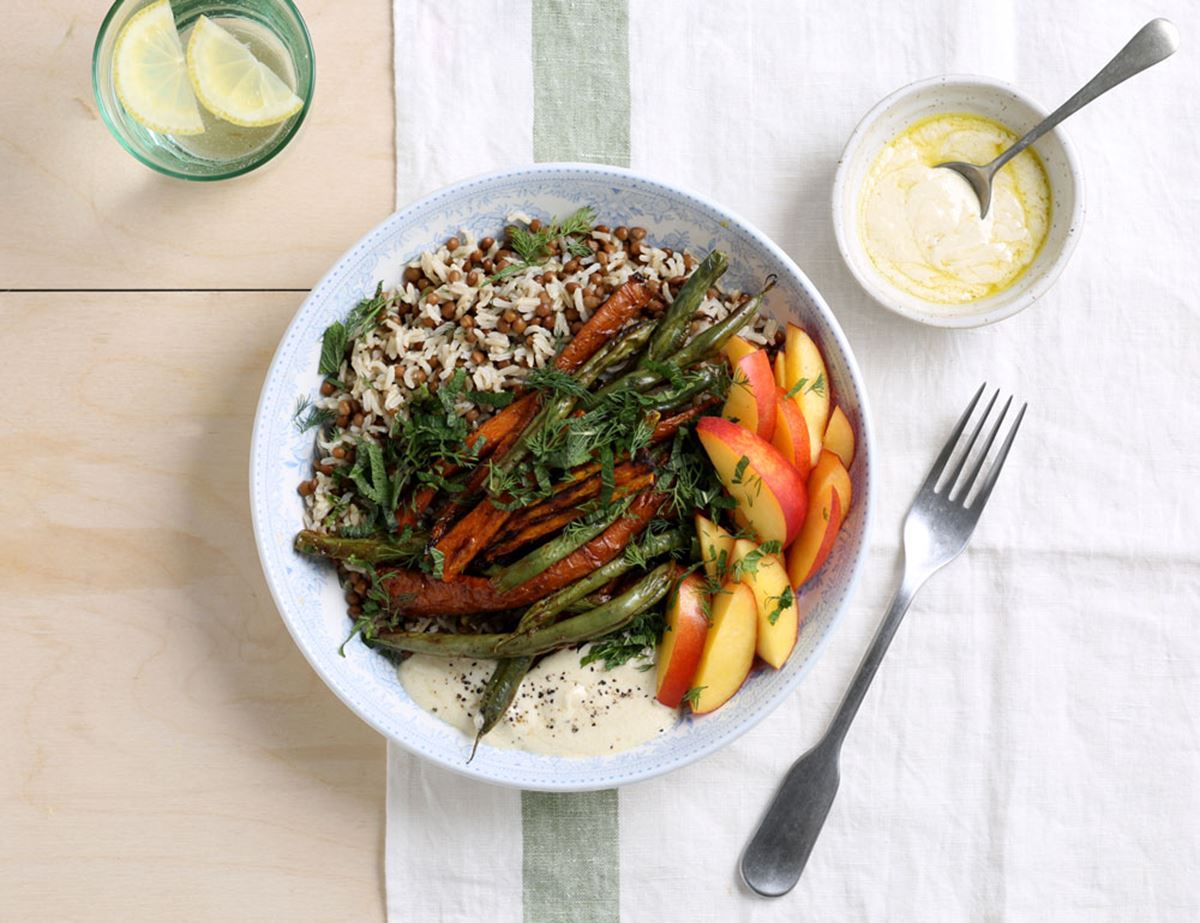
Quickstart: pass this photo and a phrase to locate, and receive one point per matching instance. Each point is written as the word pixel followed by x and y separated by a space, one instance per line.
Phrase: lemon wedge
pixel 150 73
pixel 232 83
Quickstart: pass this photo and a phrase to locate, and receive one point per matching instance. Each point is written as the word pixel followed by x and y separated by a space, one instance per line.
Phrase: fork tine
pixel 992 476
pixel 971 444
pixel 939 463
pixel 987 447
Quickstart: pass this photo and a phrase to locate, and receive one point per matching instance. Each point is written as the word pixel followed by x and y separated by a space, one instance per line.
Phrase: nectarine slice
pixel 778 614
pixel 716 547
pixel 781 370
pixel 728 649
pixel 767 490
pixel 736 348
pixel 682 641
pixel 829 490
pixel 830 470
pixel 839 436
pixel 791 433
pixel 808 384
pixel 751 399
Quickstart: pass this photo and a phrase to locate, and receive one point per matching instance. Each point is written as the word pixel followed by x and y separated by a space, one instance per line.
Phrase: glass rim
pixel 284 140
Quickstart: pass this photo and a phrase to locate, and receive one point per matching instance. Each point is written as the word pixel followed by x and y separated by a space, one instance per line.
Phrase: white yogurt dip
pixel 921 226
pixel 562 708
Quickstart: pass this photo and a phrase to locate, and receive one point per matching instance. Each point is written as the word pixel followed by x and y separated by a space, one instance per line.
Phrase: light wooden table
pixel 165 751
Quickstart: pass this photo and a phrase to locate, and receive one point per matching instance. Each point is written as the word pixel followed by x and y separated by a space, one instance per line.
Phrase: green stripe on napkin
pixel 581 81
pixel 571 860
pixel 570 865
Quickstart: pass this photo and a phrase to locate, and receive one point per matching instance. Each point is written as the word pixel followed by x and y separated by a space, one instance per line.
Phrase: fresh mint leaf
pixel 333 348
pixel 780 604
pixel 496 399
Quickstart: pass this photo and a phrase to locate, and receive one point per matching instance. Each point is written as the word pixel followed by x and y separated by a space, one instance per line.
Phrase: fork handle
pixel 874 656
pixel 777 853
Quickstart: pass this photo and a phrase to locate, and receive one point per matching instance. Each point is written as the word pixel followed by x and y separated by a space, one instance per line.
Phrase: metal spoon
pixel 1154 42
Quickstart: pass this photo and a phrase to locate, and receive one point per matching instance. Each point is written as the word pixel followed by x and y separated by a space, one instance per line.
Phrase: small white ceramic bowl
pixel 992 99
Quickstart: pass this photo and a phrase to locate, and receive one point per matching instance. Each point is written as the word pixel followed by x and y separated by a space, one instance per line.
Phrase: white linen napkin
pixel 1031 746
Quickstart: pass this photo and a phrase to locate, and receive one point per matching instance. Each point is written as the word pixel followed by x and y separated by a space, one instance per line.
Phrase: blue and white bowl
pixel 306 591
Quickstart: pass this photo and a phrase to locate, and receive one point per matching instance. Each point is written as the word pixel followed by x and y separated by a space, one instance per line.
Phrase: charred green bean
pixel 370 550
pixel 568 540
pixel 603 620
pixel 672 328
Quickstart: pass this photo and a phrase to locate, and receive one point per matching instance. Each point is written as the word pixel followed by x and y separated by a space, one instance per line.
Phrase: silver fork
pixel 936 531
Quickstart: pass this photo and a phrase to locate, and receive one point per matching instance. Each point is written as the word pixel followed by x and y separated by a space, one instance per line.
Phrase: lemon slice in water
pixel 150 73
pixel 232 83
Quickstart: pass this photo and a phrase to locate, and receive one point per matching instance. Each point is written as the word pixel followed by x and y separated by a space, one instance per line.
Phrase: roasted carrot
pixel 599 551
pixel 620 308
pixel 417 594
pixel 667 427
pixel 585 484
pixel 553 521
pixel 511 419
pixel 409 512
pixel 491 433
pixel 577 492
pixel 471 534
pixel 456 505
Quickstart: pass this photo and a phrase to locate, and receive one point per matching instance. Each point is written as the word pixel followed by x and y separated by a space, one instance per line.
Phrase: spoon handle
pixel 1154 42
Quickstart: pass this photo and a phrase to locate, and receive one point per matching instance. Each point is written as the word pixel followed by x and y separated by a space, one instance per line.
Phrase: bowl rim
pixel 334 682
pixel 1002 311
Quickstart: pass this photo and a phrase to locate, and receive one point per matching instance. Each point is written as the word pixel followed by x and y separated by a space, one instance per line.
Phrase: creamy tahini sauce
pixel 921 225
pixel 562 708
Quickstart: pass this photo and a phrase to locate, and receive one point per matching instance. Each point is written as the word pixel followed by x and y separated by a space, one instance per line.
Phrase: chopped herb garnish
pixel 779 604
pixel 692 696
pixel 750 562
pixel 306 416
pixel 333 348
pixel 555 382
pixel 377 607
pixel 817 386
pixel 362 318
pixel 637 641
pixel 533 246
pixel 439 561
pixel 635 555
pixel 362 530
pixel 689 479
pixel 496 399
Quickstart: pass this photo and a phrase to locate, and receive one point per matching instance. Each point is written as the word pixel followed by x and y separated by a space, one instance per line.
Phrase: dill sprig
pixel 377 607
pixel 689 480
pixel 555 382
pixel 634 643
pixel 533 246
pixel 816 387
pixel 692 696
pixel 307 416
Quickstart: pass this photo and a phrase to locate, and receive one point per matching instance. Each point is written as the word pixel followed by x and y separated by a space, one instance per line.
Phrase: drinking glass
pixel 272 29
